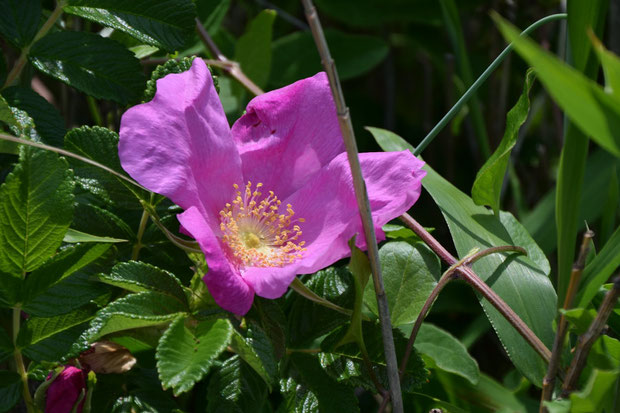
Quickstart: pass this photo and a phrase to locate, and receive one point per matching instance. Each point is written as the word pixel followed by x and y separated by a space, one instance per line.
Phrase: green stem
pixel 23 57
pixel 138 245
pixel 476 85
pixel 19 361
pixel 94 111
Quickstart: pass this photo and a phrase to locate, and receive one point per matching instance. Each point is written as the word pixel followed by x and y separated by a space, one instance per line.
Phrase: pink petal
pixel 288 135
pixel 179 144
pixel 328 204
pixel 225 283
pixel 65 390
pixel 270 282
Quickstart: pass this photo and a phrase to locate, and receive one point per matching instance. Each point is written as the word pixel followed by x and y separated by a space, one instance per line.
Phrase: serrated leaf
pixel 47 120
pixel 171 66
pixel 345 370
pixel 409 275
pixel 10 389
pixel 166 24
pixel 36 208
pixel 82 60
pixel 59 267
pixel 446 352
pixel 489 179
pixel 138 276
pixel 36 329
pixel 57 347
pixel 19 20
pixel 273 322
pixel 235 387
pixel 74 236
pixel 308 320
pixel 253 49
pixel 256 350
pixel 184 355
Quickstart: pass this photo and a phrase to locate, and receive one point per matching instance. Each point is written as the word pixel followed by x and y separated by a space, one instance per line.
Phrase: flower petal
pixel 179 144
pixel 329 207
pixel 270 282
pixel 289 134
pixel 225 283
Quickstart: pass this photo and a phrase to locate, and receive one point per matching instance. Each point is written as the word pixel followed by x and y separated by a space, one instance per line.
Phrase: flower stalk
pixel 19 361
pixel 362 201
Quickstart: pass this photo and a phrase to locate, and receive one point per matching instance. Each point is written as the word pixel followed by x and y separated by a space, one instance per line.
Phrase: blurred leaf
pixel 595 112
pixel 235 387
pixel 212 13
pixel 488 394
pixel 138 276
pixel 584 16
pixel 598 394
pixel 599 270
pixel 39 328
pixel 73 236
pixel 253 49
pixel 82 60
pixel 488 184
pixel 19 20
pixel 295 56
pixel 6 345
pixel 257 351
pixel 446 352
pixel 10 389
pixel 579 318
pixel 47 120
pixel 409 275
pixel 3 72
pixel 166 24
pixel 185 354
pixel 171 66
pixel 364 13
pixel 36 208
pixel 611 67
pixel 312 390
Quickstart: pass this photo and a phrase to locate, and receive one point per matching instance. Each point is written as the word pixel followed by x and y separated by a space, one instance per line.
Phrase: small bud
pixel 107 357
pixel 66 392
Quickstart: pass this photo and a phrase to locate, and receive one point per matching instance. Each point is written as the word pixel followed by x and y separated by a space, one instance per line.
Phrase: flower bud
pixel 67 390
pixel 107 357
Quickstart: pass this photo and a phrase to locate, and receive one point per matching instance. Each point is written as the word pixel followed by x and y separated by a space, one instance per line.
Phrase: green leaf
pixel 488 184
pixel 134 311
pixel 327 395
pixel 235 387
pixel 212 13
pixel 595 112
pixel 598 394
pixel 295 55
pixel 82 60
pixel 36 208
pixel 409 275
pixel 167 24
pixel 6 345
pixel 584 16
pixel 522 282
pixel 599 270
pixel 445 351
pixel 308 320
pixel 10 389
pixel 346 370
pixel 56 348
pixel 611 67
pixel 185 354
pixel 37 329
pixel 253 49
pixel 579 318
pixel 59 267
pixel 73 236
pixel 171 66
pixel 19 20
pixel 138 276
pixel 10 289
pixel 257 351
pixel 47 120
pixel 389 141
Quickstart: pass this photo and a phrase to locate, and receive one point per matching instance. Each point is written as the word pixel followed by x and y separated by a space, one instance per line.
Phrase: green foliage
pixel 36 208
pixel 235 387
pixel 10 389
pixel 19 20
pixel 257 351
pixel 253 49
pixel 171 66
pixel 166 24
pixel 186 352
pixel 37 329
pixel 488 184
pixel 81 61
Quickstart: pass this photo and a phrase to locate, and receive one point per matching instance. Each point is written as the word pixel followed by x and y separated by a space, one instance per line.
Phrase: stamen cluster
pixel 257 233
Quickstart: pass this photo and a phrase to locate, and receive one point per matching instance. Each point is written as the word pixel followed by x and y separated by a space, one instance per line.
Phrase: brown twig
pixel 554 363
pixel 586 340
pixel 230 67
pixel 362 201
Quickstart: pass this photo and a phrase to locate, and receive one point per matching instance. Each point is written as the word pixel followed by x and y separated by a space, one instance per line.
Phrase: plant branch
pixel 362 201
pixel 554 363
pixel 19 361
pixel 585 342
pixel 230 67
pixel 474 87
pixel 23 57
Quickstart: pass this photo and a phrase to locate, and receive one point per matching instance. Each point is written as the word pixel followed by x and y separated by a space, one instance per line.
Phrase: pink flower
pixel 65 391
pixel 268 199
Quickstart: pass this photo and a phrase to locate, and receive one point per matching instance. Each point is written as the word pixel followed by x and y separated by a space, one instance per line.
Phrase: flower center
pixel 257 233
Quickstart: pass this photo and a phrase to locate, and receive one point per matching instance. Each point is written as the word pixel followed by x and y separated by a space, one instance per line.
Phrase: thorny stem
pixel 23 57
pixel 232 68
pixel 19 361
pixel 554 363
pixel 585 342
pixel 474 87
pixel 362 201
